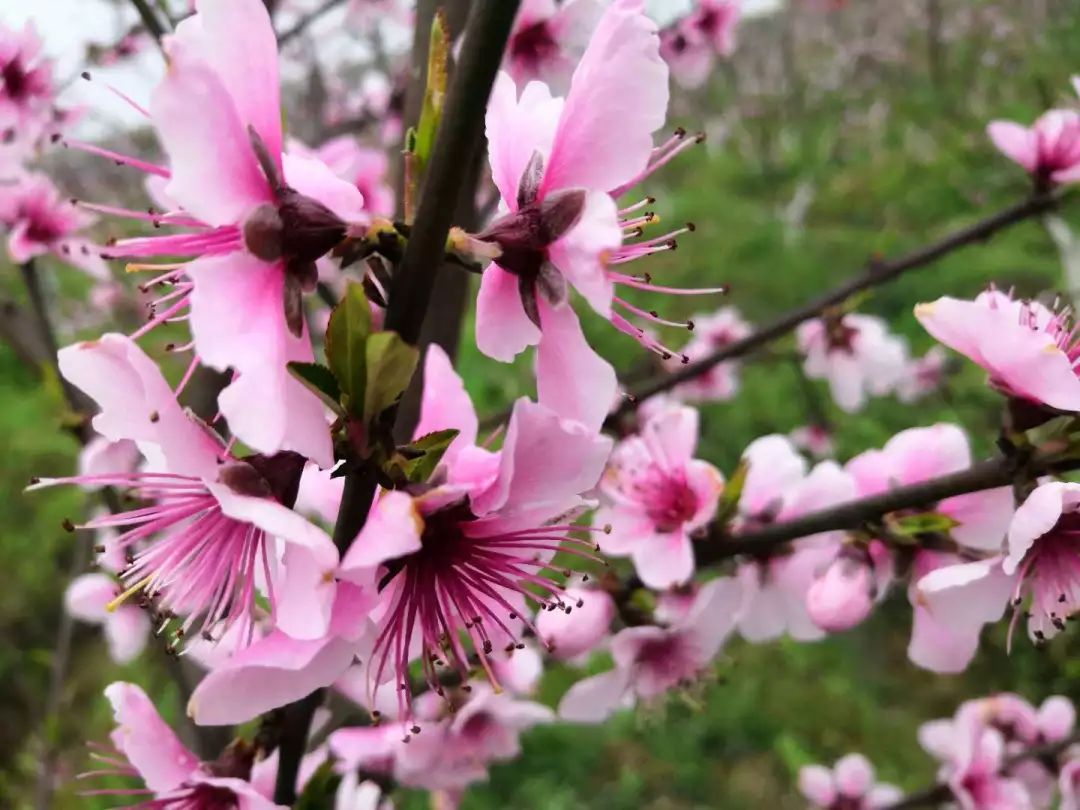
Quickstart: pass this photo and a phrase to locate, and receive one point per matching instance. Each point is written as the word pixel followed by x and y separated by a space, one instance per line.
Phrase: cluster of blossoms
pixel 996 752
pixel 433 616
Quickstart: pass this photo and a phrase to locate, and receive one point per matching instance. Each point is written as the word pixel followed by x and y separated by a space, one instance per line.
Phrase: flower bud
pixel 842 597
pixel 578 629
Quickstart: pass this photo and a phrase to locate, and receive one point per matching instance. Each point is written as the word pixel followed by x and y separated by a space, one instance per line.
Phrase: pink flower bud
pixel 842 597
pixel 569 633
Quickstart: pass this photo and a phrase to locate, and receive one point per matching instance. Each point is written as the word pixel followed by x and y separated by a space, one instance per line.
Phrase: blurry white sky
pixel 68 26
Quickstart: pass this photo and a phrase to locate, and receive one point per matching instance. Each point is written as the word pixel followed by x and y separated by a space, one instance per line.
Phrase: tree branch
pixel 301 25
pixel 462 126
pixel 874 274
pixel 487 31
pixel 852 515
pixel 154 26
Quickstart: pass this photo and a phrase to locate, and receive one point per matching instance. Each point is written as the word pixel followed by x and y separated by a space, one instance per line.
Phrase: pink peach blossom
pixel 548 38
pixel 856 354
pixel 1027 351
pixel 651 660
pixel 26 80
pixel 146 748
pixel 712 332
pixel 656 495
pixel 1049 149
pixel 40 223
pixel 569 635
pixel 126 628
pixel 849 785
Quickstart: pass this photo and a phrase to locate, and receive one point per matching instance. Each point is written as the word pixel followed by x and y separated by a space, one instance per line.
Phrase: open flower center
pixel 16 83
pixel 1051 571
pixel 669 500
pixel 534 44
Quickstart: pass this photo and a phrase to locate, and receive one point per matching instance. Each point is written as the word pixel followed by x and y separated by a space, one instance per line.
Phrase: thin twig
pixel 874 274
pixel 996 472
pixel 154 26
pixel 487 31
pixel 301 25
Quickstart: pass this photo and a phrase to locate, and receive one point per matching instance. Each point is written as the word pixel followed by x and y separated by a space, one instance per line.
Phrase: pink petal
pixel 516 129
pixel 816 785
pixel 984 517
pixel 272 672
pixel 1056 718
pixel 503 330
pixel 1035 517
pixel 618 98
pixel 593 700
pixel 672 435
pixel 546 460
pixel 664 560
pixel 582 253
pixel 312 177
pixel 85 255
pixel 238 321
pixel 126 632
pixel 774 466
pixel 87 595
pixel 215 176
pixel 146 741
pixel 236 39
pixel 1016 142
pixel 571 378
pixel 136 403
pixel 707 483
pixel 713 615
pixel 392 530
pixel 854 775
pixel 445 403
pixel 571 635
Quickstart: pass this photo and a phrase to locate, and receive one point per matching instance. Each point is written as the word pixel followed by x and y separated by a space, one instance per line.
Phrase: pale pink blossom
pixel 923 375
pixel 1049 150
pixel 815 440
pixel 39 222
pixel 973 755
pixel 99 456
pixel 548 38
pixel 26 80
pixel 1044 554
pixel 856 354
pixel 693 43
pixel 651 660
pixel 454 748
pixel 945 634
pixel 463 556
pixel 1069 783
pixel 255 223
pixel 366 168
pixel 656 496
pixel 844 594
pixel 712 332
pixel 558 164
pixel 778 487
pixel 147 749
pixel 849 785
pixel 208 532
pixel 1028 351
pixel 125 628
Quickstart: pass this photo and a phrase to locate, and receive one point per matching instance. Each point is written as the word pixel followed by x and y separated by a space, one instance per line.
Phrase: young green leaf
pixel 320 381
pixel 346 338
pixel 925 523
pixel 423 455
pixel 390 363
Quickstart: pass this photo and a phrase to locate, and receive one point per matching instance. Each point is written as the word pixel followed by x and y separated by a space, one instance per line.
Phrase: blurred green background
pixel 891 157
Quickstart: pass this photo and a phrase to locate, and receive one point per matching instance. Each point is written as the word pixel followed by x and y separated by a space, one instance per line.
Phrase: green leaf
pixel 346 339
pixel 732 494
pixel 435 91
pixel 925 523
pixel 390 364
pixel 320 381
pixel 423 455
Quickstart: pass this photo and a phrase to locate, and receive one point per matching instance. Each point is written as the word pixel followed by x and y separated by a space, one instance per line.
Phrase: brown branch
pixel 154 26
pixel 301 25
pixel 462 126
pixel 996 472
pixel 874 274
